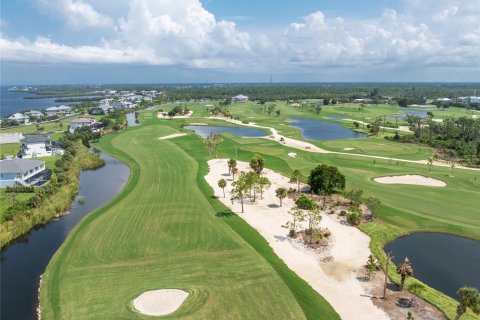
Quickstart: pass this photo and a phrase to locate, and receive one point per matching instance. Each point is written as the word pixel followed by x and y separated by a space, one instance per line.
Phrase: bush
pixel 19 189
pixel 343 213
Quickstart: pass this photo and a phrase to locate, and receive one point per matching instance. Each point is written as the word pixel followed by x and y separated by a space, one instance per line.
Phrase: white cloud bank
pixel 182 32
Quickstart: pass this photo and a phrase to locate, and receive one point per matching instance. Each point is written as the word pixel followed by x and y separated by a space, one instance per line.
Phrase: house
pixel 58 111
pixel 96 111
pixel 35 145
pixel 239 99
pixel 124 105
pixel 34 114
pixel 23 172
pixel 80 123
pixel 443 100
pixel 19 118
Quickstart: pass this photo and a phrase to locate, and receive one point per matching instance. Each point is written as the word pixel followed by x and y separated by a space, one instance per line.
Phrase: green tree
pixel 354 195
pixel 296 176
pixel 298 216
pixel 239 188
pixel 372 266
pixel 313 217
pixel 469 298
pixel 305 203
pixel 278 113
pixel 354 215
pixel 404 270
pixel 251 182
pixel 234 171
pixel 326 179
pixel 211 144
pixel 281 194
pixel 232 163
pixel 373 204
pixel 222 184
pixel 257 163
pixel 263 183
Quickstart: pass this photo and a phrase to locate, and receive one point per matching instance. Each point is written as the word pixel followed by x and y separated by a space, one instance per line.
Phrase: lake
pixel 131 119
pixel 323 130
pixel 25 259
pixel 442 261
pixel 13 101
pixel 205 131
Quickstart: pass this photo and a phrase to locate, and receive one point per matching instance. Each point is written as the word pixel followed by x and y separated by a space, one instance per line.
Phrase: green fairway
pixel 162 231
pixel 9 149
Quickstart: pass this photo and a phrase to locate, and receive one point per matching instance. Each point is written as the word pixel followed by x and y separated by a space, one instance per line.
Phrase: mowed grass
pixel 162 231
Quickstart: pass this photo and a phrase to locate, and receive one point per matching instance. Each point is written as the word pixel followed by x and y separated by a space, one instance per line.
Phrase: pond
pixel 205 131
pixel 421 114
pixel 24 260
pixel 131 119
pixel 442 261
pixel 323 130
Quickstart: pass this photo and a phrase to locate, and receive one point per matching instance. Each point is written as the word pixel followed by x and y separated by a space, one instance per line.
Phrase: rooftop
pixel 35 138
pixel 18 165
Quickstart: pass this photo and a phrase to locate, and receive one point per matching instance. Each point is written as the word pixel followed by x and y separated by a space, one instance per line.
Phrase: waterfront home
pixel 124 105
pixel 58 111
pixel 34 114
pixel 239 99
pixel 23 172
pixel 38 145
pixel 19 118
pixel 80 123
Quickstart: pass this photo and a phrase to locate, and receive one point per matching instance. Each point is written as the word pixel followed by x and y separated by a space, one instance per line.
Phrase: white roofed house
pixel 84 122
pixel 57 111
pixel 239 99
pixel 38 145
pixel 124 105
pixel 19 118
pixel 34 114
pixel 23 172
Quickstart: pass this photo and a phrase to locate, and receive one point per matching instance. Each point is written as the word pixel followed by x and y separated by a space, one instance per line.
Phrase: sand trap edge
pixel 159 310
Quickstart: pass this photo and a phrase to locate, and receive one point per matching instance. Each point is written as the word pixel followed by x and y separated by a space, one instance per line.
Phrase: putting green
pixel 162 231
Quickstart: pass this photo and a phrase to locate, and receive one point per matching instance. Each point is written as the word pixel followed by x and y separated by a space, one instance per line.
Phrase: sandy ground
pixel 160 302
pixel 198 124
pixel 336 280
pixel 403 128
pixel 292 154
pixel 10 137
pixel 411 179
pixel 348 149
pixel 163 115
pixel 171 136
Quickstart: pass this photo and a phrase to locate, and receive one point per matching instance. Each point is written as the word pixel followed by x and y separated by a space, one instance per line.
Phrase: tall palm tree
pixel 469 298
pixel 296 176
pixel 430 163
pixel 222 184
pixel 234 171
pixel 232 163
pixel 404 270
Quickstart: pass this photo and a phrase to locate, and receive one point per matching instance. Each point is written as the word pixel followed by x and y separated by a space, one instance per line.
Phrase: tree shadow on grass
pixel 224 213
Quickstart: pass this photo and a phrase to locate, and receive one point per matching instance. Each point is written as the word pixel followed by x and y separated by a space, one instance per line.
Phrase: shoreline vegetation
pixel 52 205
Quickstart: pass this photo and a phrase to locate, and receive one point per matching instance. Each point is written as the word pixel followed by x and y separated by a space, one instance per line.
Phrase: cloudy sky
pixel 140 41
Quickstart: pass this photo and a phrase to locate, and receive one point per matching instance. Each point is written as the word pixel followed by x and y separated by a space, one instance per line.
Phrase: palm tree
pixel 469 298
pixel 281 194
pixel 453 167
pixel 296 176
pixel 430 163
pixel 234 171
pixel 222 184
pixel 404 270
pixel 257 163
pixel 232 163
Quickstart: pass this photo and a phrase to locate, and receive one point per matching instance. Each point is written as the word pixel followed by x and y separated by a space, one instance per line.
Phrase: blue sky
pixel 87 41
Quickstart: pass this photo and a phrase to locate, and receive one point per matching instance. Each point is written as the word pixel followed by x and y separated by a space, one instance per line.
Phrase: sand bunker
pixel 292 154
pixel 198 124
pixel 171 136
pixel 164 115
pixel 160 302
pixel 348 149
pixel 411 179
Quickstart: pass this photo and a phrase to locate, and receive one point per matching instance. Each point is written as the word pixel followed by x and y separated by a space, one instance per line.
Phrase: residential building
pixel 19 118
pixel 239 99
pixel 58 111
pixel 34 114
pixel 37 145
pixel 80 123
pixel 23 172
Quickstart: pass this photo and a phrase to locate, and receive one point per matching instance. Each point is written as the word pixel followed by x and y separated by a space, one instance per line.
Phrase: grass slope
pixel 162 231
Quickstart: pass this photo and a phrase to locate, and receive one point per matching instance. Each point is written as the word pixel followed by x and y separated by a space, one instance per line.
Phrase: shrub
pixel 343 213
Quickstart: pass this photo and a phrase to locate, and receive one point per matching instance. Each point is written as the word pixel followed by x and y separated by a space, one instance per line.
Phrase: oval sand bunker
pixel 160 302
pixel 411 179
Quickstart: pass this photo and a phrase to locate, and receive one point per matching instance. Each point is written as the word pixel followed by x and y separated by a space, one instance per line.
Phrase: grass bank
pixel 54 205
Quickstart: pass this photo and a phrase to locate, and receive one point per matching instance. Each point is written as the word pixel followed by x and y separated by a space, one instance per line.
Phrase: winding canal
pixel 24 260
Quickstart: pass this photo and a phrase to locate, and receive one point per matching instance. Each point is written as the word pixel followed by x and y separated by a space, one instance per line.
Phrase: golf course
pixel 166 230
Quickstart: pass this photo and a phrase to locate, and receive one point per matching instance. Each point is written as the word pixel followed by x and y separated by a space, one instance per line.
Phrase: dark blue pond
pixel 442 261
pixel 323 130
pixel 205 131
pixel 25 259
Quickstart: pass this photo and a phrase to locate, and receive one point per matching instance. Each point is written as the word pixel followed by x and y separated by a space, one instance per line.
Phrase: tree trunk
pixel 402 283
pixel 298 185
pixel 223 192
pixel 280 202
pixel 241 201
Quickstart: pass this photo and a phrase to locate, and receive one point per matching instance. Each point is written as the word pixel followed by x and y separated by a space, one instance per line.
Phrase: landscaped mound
pixel 159 302
pixel 412 179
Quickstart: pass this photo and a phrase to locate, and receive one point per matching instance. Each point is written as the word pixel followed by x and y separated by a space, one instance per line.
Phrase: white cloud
pixel 77 14
pixel 183 32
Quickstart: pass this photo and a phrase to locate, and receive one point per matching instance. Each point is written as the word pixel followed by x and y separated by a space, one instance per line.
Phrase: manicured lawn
pixel 9 149
pixel 162 231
